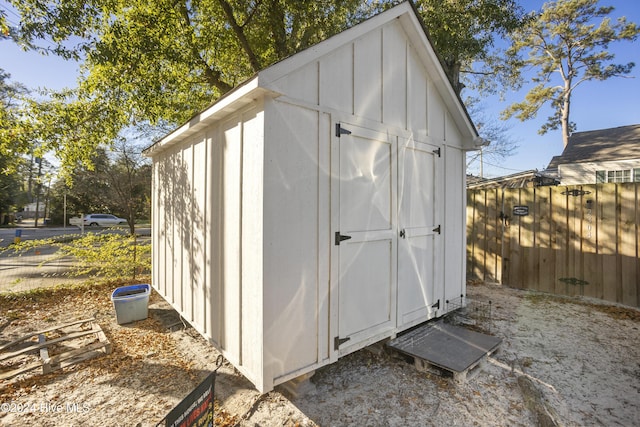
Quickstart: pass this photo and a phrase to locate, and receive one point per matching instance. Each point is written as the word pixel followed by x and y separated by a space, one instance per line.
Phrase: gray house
pixel 599 156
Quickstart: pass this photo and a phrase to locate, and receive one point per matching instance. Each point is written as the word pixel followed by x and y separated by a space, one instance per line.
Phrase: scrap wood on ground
pixel 41 348
pixel 53 348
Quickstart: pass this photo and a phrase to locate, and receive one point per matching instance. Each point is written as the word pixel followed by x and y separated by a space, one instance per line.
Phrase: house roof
pixel 600 145
pixel 263 82
pixel 517 180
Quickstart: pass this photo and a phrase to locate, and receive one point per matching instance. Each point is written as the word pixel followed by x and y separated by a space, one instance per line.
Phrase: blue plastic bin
pixel 131 303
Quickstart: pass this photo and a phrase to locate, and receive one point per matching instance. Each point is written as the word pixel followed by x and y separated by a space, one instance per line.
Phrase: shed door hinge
pixel 438 152
pixel 436 305
pixel 340 237
pixel 341 131
pixel 437 230
pixel 337 342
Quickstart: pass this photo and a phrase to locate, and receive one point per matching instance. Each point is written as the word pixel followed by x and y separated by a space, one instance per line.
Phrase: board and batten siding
pixel 208 235
pixel 377 78
pixel 296 230
pixel 247 198
pixel 379 81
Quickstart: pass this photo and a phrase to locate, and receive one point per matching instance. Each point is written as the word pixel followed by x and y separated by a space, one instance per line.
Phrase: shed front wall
pixel 207 235
pixel 377 82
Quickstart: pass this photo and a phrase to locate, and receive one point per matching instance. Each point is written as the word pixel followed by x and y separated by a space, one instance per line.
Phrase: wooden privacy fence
pixel 570 240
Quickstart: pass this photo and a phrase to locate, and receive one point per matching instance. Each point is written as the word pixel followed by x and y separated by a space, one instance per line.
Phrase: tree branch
pixel 239 32
pixel 213 76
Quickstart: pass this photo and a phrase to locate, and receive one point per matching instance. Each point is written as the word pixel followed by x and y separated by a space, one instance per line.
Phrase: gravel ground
pixel 563 361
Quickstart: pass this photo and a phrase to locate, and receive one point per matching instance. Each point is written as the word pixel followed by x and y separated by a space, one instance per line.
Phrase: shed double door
pixel 383 280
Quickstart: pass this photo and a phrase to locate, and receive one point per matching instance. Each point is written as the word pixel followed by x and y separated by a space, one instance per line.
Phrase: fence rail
pixel 570 240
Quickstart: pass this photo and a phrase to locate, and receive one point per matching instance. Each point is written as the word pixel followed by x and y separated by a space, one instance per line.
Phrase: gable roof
pixel 263 82
pixel 414 28
pixel 525 179
pixel 600 145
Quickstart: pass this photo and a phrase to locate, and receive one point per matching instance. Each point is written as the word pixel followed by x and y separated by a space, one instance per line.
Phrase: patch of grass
pixel 53 295
pixel 615 311
pixel 538 297
pixel 98 255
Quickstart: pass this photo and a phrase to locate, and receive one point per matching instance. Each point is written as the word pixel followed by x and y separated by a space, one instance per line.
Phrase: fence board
pixel 574 228
pixel 590 270
pixel 579 234
pixel 607 242
pixel 505 252
pixel 512 198
pixel 528 251
pixel 472 237
pixel 562 241
pixel 627 251
pixel 491 233
pixel 546 255
pixel 481 224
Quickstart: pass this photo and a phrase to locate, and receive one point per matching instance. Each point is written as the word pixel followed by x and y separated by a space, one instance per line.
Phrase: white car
pixel 102 220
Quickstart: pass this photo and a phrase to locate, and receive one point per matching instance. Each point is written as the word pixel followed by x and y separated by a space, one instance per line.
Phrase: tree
pixel 166 59
pixel 465 32
pixel 10 161
pixel 88 193
pixel 129 179
pixel 491 129
pixel 11 94
pixel 4 28
pixel 156 62
pixel 10 187
pixel 119 182
pixel 567 43
pixel 162 61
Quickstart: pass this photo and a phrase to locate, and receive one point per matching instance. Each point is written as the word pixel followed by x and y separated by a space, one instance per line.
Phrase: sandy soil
pixel 580 359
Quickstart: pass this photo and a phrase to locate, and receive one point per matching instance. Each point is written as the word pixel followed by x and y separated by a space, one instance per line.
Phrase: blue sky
pixel 595 105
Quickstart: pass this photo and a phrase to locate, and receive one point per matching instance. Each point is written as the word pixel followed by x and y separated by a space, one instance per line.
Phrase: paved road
pixel 7 235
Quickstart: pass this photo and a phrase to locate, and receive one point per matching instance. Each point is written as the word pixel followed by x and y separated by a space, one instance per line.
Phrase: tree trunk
pixel 566 107
pixel 452 68
pixel 242 38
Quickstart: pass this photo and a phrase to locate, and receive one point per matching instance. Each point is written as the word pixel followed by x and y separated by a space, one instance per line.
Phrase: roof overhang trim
pixel 240 97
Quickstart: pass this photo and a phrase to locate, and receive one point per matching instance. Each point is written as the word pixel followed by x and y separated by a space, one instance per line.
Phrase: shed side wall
pixel 207 236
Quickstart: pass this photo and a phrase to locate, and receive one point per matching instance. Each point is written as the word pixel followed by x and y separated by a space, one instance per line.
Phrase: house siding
pixel 585 173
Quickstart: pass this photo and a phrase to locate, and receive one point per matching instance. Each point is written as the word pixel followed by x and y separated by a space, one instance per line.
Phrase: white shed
pixel 320 206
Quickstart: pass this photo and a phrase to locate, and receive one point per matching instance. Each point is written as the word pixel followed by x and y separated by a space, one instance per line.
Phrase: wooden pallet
pixel 20 360
pixel 439 347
